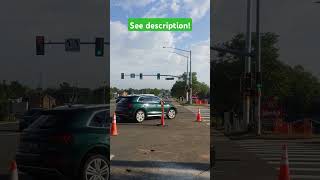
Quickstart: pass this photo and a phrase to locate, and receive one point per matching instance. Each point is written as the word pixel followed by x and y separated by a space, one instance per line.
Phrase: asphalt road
pixel 233 162
pixel 180 150
pixel 142 151
pixel 9 139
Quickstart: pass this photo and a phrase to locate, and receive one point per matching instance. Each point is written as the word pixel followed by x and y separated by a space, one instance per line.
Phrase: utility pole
pixel 258 76
pixel 190 82
pixel 246 100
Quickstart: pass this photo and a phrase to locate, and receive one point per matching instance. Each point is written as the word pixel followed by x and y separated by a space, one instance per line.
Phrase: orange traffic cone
pixel 199 118
pixel 114 131
pixel 284 173
pixel 13 170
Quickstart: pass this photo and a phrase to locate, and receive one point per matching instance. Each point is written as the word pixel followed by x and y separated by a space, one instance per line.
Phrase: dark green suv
pixel 70 142
pixel 138 108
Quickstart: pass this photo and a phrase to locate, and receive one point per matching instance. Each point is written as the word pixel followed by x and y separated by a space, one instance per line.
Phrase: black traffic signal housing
pixel 122 75
pixel 99 49
pixel 40 45
pixel 158 76
pixel 141 76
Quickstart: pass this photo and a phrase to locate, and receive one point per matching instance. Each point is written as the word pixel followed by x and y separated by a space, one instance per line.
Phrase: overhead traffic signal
pixel 158 76
pixel 133 75
pixel 122 75
pixel 99 46
pixel 40 45
pixel 141 76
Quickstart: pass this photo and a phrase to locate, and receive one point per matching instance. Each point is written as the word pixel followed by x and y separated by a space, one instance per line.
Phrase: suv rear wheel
pixel 96 167
pixel 140 116
pixel 171 113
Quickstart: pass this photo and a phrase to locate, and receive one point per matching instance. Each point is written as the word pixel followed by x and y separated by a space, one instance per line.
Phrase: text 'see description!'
pixel 159 24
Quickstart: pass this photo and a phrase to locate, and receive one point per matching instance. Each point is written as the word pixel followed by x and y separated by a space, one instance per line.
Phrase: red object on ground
pixel 13 170
pixel 284 173
pixel 114 130
pixel 199 118
pixel 162 115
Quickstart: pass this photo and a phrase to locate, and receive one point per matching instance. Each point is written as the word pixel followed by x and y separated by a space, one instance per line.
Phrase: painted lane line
pixel 303 169
pixel 111 156
pixel 289 151
pixel 300 177
pixel 292 155
pixel 295 163
pixel 294 159
pixel 276 149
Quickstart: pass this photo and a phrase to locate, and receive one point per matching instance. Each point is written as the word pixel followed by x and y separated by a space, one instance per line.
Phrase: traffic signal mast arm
pixel 166 75
pixel 232 51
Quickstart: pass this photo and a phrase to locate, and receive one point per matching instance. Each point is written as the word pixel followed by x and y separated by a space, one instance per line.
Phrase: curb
pixel 268 138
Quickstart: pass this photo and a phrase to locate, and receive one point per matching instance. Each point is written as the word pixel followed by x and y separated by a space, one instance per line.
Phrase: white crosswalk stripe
pixel 304 159
pixel 204 111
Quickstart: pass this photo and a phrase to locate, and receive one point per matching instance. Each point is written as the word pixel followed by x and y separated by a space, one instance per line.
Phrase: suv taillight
pixel 62 138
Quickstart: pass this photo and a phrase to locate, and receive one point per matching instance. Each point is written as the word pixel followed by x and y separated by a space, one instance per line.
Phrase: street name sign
pixel 72 45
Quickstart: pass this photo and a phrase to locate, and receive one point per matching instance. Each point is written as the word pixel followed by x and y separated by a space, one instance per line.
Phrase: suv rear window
pixel 126 99
pixel 52 120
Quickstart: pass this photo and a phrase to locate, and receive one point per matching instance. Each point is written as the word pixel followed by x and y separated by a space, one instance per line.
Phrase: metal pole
pixel 246 114
pixel 187 93
pixel 190 100
pixel 104 92
pixel 259 79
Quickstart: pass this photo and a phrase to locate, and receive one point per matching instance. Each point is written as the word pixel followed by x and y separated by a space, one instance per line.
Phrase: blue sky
pixel 142 52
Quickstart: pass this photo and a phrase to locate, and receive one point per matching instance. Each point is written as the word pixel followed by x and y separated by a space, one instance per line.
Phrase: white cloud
pixel 196 8
pixel 201 60
pixel 129 4
pixel 175 6
pixel 142 52
pixel 159 10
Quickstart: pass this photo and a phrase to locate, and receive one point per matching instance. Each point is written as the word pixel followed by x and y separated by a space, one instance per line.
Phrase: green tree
pixel 294 87
pixel 198 88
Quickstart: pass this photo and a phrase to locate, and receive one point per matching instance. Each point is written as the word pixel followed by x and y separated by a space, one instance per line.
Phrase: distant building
pixel 42 101
pixel 124 93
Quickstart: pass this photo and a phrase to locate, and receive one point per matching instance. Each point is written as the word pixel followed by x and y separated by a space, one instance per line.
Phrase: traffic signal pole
pixel 259 77
pixel 246 97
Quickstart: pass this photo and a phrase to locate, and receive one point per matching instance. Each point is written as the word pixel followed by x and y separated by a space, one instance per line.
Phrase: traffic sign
pixel 72 45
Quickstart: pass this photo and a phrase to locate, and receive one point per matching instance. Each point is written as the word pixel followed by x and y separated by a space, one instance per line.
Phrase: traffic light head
pixel 158 76
pixel 40 45
pixel 141 75
pixel 99 47
pixel 122 75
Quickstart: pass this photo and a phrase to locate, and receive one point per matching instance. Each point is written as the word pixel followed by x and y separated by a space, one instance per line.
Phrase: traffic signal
pixel 122 75
pixel 158 76
pixel 40 45
pixel 99 46
pixel 141 75
pixel 133 75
